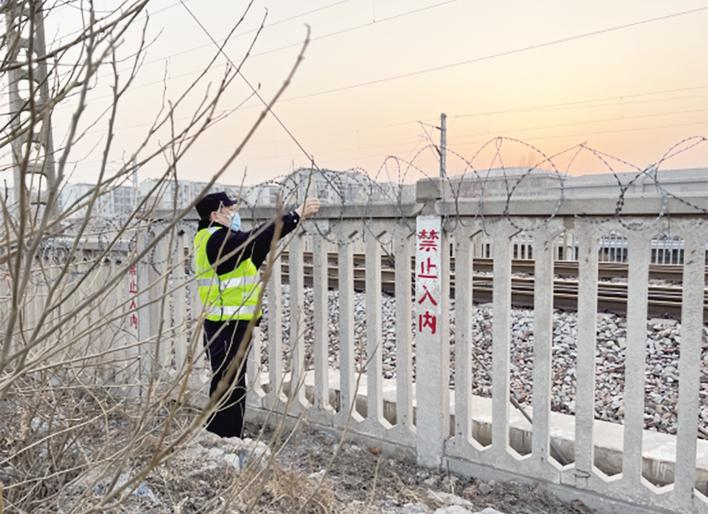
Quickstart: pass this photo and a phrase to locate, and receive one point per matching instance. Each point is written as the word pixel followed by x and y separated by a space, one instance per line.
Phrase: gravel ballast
pixel 662 357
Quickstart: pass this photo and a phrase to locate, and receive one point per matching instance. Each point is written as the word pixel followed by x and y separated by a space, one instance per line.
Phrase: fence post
pixel 148 313
pixel 196 352
pixel 159 312
pixel 432 333
pixel 139 315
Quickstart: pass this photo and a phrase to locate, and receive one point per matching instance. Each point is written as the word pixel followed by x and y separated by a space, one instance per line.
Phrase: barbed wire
pixel 390 186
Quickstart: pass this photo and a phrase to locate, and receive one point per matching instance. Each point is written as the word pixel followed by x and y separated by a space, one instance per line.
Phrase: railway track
pixel 663 301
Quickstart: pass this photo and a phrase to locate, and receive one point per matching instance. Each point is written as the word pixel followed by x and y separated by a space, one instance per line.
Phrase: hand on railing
pixel 310 207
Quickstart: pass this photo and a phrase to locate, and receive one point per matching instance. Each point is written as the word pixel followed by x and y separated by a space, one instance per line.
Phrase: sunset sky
pixel 378 73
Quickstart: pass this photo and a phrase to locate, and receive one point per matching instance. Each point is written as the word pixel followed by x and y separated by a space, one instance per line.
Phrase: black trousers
pixel 223 340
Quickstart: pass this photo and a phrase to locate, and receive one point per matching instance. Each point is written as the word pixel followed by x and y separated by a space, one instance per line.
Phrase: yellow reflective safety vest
pixel 230 296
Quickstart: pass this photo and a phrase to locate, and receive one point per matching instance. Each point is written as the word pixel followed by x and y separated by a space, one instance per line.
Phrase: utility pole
pixel 30 117
pixel 443 144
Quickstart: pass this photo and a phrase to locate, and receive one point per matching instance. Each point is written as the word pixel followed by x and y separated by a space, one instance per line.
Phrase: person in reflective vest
pixel 227 260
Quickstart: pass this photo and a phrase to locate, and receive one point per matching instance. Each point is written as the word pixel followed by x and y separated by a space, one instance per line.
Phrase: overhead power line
pixel 251 31
pixel 586 122
pixel 285 47
pixel 604 100
pixel 496 55
pixel 255 91
pixel 434 68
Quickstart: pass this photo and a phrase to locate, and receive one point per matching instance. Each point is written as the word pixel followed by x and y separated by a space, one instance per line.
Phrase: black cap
pixel 211 203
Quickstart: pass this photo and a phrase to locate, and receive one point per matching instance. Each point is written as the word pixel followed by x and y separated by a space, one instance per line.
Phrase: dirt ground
pixel 287 472
pixel 362 479
pixel 314 472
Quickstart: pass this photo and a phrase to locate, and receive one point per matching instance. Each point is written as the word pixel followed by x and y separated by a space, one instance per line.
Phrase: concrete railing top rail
pixel 436 196
pixel 439 196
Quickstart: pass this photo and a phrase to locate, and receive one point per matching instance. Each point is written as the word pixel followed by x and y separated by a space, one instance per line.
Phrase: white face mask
pixel 235 222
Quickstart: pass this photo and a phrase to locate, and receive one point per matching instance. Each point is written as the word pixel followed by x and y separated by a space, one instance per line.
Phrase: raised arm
pixel 290 221
pixel 255 244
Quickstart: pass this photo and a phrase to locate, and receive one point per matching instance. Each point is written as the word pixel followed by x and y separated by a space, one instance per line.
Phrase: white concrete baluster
pixel 144 325
pixel 196 308
pixel 297 318
pixel 34 307
pixel 587 320
pixel 122 339
pixel 159 310
pixel 373 330
pixel 275 333
pixel 6 301
pixel 321 321
pixel 180 336
pixel 254 392
pixel 107 333
pixel 56 318
pixel 464 312
pixel 28 309
pixel 690 365
pixel 132 352
pixel 196 351
pixel 542 341
pixel 404 298
pixel 346 329
pixel 501 336
pixel 635 365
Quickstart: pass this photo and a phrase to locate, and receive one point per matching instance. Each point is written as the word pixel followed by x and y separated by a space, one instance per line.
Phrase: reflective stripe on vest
pixel 230 296
pixel 229 282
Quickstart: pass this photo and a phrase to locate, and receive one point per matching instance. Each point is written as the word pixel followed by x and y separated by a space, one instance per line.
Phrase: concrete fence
pixel 614 467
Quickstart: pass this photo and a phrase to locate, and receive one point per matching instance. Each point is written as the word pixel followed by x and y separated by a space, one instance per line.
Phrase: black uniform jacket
pixel 241 245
